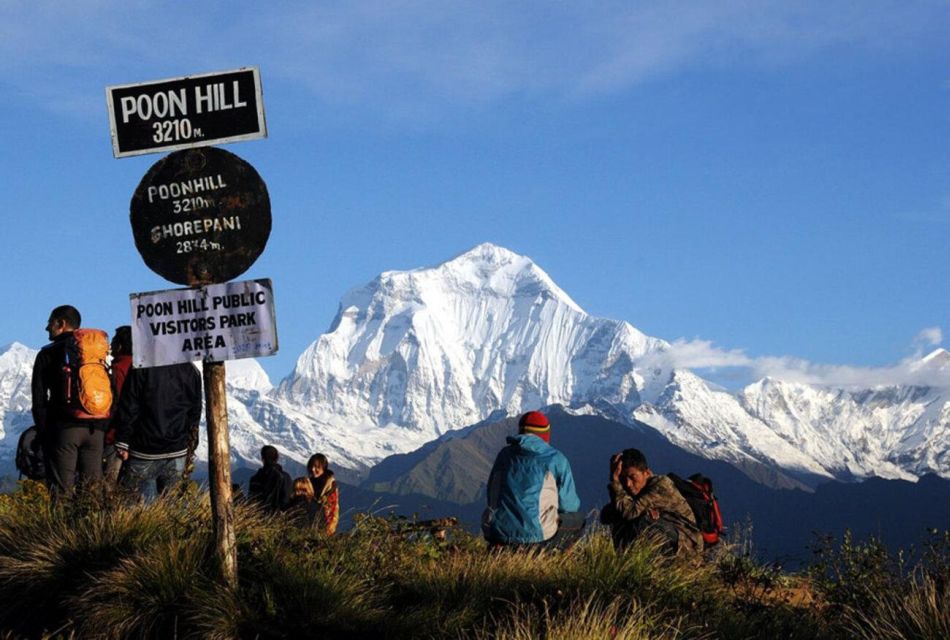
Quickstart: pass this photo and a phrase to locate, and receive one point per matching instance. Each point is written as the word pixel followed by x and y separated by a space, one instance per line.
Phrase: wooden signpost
pixel 200 217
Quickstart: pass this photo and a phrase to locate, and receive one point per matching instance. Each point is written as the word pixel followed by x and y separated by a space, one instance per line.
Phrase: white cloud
pixel 702 354
pixel 929 337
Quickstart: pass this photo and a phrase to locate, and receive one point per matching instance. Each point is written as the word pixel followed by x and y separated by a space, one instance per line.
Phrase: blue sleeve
pixel 567 499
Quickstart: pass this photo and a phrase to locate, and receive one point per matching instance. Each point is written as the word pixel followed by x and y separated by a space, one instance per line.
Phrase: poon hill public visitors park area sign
pixel 200 217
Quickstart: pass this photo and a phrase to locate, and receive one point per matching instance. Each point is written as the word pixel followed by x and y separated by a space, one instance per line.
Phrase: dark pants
pixel 661 532
pixel 151 478
pixel 569 530
pixel 73 451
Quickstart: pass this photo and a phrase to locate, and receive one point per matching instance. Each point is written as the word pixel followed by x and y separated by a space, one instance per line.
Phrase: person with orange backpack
pixel 72 399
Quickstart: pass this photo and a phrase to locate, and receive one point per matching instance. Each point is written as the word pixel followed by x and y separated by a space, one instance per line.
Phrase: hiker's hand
pixel 615 465
pixel 122 453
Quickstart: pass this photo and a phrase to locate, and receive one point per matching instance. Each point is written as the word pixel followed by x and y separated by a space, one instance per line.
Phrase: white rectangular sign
pixel 212 323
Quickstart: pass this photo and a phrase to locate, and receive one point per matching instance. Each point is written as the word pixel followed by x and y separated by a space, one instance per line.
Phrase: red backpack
pixel 698 492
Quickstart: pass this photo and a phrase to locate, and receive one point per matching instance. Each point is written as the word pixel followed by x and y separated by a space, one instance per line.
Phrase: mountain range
pixel 413 356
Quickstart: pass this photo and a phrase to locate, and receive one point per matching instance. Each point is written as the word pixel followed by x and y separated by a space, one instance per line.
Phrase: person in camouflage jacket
pixel 644 503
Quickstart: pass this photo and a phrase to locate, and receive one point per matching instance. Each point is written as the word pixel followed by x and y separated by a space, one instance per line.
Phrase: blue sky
pixel 767 182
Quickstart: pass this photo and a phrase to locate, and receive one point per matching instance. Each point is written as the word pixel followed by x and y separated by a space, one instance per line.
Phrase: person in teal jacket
pixel 529 486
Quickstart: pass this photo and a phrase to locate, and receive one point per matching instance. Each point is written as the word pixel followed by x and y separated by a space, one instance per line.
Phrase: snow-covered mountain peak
pixel 936 360
pixel 16 370
pixel 485 271
pixel 503 272
pixel 15 354
pixel 247 375
pixel 433 349
pixel 469 303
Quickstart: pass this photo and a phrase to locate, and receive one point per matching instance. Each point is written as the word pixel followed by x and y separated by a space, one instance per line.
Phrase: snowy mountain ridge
pixel 416 354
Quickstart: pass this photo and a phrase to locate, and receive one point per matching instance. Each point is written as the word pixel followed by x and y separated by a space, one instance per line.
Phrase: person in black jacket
pixel 271 486
pixel 159 410
pixel 72 447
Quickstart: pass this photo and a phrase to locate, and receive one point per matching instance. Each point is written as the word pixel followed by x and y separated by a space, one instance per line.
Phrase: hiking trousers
pixel 151 478
pixel 74 451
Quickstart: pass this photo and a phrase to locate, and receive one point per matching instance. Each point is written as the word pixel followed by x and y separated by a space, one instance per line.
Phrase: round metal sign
pixel 200 216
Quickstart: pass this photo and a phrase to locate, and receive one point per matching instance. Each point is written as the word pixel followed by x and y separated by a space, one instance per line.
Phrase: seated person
pixel 644 503
pixel 326 493
pixel 529 487
pixel 303 509
pixel 271 485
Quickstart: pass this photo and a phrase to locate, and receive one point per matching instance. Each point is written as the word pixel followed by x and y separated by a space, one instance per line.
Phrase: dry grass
pixel 620 619
pixel 118 570
pixel 920 612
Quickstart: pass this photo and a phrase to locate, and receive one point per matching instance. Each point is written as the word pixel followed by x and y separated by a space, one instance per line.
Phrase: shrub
pixel 873 593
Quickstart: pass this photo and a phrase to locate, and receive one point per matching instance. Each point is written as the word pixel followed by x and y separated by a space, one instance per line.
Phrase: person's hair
pixel 303 488
pixel 318 457
pixel 634 458
pixel 68 314
pixel 123 338
pixel 269 454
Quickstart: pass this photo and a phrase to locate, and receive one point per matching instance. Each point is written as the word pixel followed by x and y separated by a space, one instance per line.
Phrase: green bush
pixel 874 593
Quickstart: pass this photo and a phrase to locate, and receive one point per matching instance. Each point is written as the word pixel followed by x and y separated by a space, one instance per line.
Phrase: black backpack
pixel 29 455
pixel 698 492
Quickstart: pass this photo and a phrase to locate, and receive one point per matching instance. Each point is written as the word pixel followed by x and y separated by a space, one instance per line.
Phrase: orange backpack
pixel 88 388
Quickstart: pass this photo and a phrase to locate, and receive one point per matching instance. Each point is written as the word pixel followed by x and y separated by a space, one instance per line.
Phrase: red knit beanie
pixel 535 423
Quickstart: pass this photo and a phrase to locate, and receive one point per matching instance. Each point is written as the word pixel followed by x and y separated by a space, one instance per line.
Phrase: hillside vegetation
pixel 114 570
